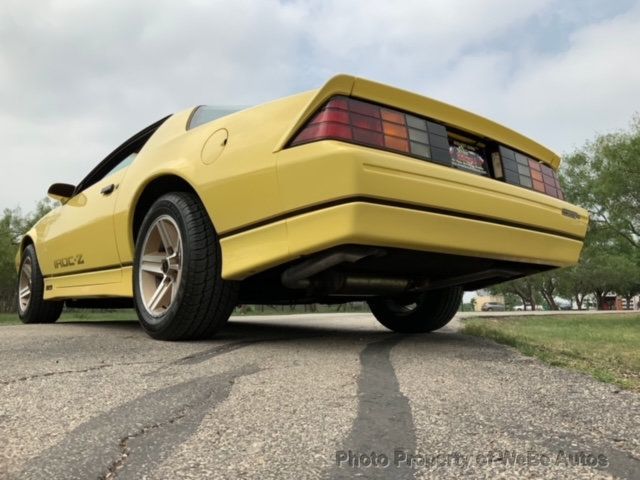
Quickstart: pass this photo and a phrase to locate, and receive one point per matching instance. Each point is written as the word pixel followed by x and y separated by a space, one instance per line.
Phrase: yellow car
pixel 354 191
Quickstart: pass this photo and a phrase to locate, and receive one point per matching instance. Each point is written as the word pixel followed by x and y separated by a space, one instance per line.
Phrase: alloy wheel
pixel 160 269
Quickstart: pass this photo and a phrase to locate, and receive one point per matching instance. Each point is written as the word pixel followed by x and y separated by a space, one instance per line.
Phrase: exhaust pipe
pixel 312 275
pixel 338 283
pixel 299 276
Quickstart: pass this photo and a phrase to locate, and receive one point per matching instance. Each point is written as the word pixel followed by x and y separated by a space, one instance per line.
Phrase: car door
pixel 79 236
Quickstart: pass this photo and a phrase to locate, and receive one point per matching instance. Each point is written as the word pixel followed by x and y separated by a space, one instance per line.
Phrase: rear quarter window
pixel 205 114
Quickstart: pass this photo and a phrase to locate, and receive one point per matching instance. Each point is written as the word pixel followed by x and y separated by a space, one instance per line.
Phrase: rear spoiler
pixel 444 113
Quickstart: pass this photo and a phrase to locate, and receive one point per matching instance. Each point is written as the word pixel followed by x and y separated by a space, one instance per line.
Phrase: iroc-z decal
pixel 71 261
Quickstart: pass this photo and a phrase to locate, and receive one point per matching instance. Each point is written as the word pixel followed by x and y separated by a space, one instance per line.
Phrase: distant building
pixel 634 304
pixel 613 301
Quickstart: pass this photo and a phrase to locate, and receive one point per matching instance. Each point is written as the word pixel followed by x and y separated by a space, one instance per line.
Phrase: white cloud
pixel 563 98
pixel 78 77
pixel 592 87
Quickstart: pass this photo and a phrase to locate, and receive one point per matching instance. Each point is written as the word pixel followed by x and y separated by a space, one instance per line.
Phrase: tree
pixel 525 288
pixel 603 177
pixel 628 284
pixel 547 285
pixel 7 265
pixel 573 283
pixel 473 302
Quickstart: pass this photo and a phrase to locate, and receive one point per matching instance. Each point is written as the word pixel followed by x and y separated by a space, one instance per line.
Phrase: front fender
pixel 28 238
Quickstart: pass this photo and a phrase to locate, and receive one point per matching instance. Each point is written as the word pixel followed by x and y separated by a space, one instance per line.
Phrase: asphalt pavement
pixel 300 397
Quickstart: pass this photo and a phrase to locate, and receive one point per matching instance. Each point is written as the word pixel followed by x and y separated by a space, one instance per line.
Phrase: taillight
pixel 355 121
pixel 524 171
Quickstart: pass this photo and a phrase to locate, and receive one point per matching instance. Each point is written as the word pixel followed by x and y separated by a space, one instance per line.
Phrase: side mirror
pixel 61 191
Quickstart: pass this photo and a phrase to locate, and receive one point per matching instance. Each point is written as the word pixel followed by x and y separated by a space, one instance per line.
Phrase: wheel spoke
pixel 165 237
pixel 26 273
pixel 153 258
pixel 178 249
pixel 174 291
pixel 154 268
pixel 159 294
pixel 25 292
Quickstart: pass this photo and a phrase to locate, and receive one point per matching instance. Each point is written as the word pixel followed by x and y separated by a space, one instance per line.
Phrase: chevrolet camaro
pixel 356 191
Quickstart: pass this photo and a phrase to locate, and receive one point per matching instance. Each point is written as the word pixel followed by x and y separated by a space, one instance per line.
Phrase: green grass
pixel 604 346
pixel 357 307
pixel 9 318
pixel 116 315
pixel 78 316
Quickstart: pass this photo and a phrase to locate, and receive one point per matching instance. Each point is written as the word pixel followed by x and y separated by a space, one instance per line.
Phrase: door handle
pixel 108 190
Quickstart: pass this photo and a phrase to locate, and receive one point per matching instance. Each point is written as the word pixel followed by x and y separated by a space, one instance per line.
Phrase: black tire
pixel 38 310
pixel 203 301
pixel 420 313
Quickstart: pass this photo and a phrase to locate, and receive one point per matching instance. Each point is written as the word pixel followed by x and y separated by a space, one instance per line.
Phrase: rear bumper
pixel 335 194
pixel 364 223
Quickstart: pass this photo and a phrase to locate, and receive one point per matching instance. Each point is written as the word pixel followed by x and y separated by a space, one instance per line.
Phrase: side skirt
pixel 113 282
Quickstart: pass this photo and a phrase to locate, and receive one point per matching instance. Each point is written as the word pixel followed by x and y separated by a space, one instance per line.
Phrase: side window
pixel 124 163
pixel 205 114
pixel 120 158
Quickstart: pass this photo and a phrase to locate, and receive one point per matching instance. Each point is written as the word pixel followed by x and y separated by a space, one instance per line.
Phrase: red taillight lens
pixel 325 130
pixel 344 118
pixel 521 170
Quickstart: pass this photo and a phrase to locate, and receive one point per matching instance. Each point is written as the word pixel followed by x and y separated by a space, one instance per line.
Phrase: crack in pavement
pixel 205 355
pixel 51 374
pixel 147 429
pixel 125 451
pixel 384 423
pixel 208 354
pixel 68 372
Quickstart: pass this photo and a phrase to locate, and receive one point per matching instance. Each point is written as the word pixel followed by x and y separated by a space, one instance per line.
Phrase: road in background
pixel 301 396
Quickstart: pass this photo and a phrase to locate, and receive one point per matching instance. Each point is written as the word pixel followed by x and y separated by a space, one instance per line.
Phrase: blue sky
pixel 78 77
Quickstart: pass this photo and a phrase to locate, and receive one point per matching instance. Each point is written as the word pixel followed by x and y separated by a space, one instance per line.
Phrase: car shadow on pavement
pixel 266 330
